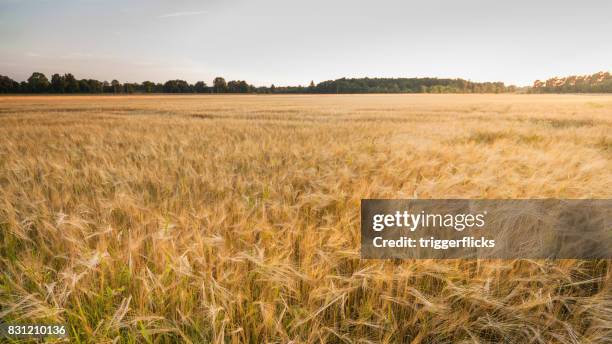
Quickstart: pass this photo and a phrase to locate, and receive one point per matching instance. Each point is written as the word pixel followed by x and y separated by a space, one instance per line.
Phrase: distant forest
pixel 39 83
pixel 596 83
pixel 67 83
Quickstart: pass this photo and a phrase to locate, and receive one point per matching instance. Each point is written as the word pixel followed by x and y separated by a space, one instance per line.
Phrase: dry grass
pixel 236 218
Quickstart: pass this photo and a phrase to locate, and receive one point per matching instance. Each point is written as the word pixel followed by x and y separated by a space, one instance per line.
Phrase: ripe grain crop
pixel 161 219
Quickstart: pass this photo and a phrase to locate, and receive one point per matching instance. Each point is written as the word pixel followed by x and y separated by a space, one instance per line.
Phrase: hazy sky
pixel 293 42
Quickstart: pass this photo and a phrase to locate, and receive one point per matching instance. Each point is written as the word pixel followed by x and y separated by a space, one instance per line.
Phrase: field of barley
pixel 235 219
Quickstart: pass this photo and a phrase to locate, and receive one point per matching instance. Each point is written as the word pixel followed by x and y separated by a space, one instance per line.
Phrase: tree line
pixel 595 83
pixel 400 85
pixel 67 83
pixel 38 83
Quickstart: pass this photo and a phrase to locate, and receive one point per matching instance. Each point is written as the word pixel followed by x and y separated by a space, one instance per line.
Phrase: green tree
pixel 243 86
pixel 177 86
pixel 237 86
pixel 200 87
pixel 116 86
pixel 58 83
pixel 219 85
pixel 84 86
pixel 8 85
pixel 95 86
pixel 232 86
pixel 311 87
pixel 38 83
pixel 72 85
pixel 128 88
pixel 148 86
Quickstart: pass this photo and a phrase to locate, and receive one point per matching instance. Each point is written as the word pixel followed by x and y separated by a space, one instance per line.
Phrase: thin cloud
pixel 182 14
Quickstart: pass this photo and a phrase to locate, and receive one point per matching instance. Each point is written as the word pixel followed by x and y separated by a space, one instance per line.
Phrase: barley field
pixel 235 219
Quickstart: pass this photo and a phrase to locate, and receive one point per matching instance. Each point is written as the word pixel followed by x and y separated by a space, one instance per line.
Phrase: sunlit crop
pixel 236 218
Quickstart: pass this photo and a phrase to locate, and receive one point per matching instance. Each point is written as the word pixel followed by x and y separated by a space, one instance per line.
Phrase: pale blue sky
pixel 291 42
